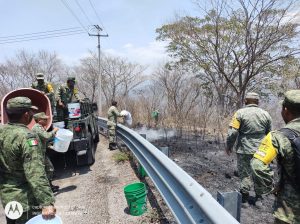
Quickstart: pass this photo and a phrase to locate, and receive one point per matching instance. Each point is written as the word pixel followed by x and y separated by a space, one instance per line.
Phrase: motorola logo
pixel 13 210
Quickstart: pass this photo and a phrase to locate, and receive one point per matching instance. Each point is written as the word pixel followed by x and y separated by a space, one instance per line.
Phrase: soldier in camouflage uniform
pixel 39 129
pixel 276 146
pixel 66 93
pixel 248 127
pixel 112 115
pixel 22 172
pixel 44 87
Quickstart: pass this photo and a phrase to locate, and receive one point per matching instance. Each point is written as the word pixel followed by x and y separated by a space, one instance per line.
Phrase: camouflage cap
pixel 292 97
pixel 252 95
pixel 39 76
pixel 40 115
pixel 20 102
pixel 71 79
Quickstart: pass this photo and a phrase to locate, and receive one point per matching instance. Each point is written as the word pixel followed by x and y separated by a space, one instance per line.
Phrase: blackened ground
pixel 210 166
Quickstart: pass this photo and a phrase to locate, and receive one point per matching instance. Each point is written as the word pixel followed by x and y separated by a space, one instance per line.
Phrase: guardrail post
pixel 165 150
pixel 231 201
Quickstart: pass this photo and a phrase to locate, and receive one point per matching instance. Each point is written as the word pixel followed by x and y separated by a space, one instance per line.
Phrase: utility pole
pixel 99 29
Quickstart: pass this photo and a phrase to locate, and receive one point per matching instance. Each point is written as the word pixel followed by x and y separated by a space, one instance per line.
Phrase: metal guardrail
pixel 187 199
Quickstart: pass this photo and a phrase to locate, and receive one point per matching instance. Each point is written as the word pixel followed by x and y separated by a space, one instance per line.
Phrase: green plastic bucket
pixel 136 197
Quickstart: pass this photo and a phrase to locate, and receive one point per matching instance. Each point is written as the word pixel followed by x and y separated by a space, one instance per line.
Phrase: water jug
pixel 62 140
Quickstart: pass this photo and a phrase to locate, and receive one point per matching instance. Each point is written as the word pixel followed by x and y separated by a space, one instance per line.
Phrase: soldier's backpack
pixel 295 142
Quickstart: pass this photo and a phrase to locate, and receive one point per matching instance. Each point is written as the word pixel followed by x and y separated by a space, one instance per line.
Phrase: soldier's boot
pixel 245 200
pixel 111 146
pixel 258 203
pixel 245 197
pixel 54 188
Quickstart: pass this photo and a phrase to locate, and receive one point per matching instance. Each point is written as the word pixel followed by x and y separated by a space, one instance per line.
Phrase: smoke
pixel 155 134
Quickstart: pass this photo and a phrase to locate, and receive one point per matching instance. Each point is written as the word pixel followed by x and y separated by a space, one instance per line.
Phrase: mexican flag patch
pixel 33 142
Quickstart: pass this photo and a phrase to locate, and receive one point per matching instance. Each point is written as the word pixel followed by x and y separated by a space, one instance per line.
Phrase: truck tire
pixel 91 151
pixel 96 140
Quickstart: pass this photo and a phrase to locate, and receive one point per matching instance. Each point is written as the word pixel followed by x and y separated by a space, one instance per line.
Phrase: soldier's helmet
pixel 71 79
pixel 252 95
pixel 292 98
pixel 39 76
pixel 20 102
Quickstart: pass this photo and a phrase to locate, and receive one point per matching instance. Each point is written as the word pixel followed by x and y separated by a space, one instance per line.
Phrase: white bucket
pixel 62 140
pixel 74 110
pixel 39 220
pixel 60 124
pixel 127 117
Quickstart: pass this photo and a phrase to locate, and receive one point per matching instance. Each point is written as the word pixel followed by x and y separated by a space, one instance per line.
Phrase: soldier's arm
pixel 262 173
pixel 116 112
pixel 58 96
pixel 76 94
pixel 44 134
pixel 34 168
pixel 233 132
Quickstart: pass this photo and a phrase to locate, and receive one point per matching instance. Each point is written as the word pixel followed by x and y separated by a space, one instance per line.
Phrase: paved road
pixel 94 194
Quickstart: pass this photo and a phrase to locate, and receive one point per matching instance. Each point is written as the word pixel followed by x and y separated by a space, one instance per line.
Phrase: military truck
pixel 85 133
pixel 84 127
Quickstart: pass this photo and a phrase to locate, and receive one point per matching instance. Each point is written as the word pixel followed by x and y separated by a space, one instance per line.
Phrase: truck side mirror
pixel 95 106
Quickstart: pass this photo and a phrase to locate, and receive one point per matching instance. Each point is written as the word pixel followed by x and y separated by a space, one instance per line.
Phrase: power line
pixel 40 38
pixel 39 34
pixel 78 20
pixel 49 31
pixel 97 15
pixel 83 12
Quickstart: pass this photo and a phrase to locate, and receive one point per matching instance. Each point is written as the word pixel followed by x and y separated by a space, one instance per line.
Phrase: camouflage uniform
pixel 276 146
pixel 22 172
pixel 112 115
pixel 45 88
pixel 248 126
pixel 155 115
pixel 44 138
pixel 66 95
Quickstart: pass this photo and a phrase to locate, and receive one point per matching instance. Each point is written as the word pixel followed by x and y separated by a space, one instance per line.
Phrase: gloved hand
pixel 61 104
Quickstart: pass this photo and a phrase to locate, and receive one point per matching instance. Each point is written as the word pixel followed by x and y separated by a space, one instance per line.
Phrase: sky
pixel 130 25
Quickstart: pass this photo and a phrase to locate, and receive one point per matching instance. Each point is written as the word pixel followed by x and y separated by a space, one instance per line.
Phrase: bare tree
pixel 20 70
pixel 149 97
pixel 88 75
pixel 182 92
pixel 119 77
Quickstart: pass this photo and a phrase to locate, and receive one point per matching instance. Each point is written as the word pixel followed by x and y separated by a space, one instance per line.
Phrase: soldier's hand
pixel 228 151
pixel 61 104
pixel 55 129
pixel 48 212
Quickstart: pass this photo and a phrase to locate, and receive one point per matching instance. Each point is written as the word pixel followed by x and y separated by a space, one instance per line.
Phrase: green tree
pixel 230 48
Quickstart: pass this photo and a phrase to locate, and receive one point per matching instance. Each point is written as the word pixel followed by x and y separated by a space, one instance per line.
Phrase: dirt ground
pixel 94 194
pixel 210 166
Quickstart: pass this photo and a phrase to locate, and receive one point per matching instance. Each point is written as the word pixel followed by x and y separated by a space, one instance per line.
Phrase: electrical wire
pixel 40 38
pixel 49 31
pixel 83 12
pixel 97 15
pixel 69 8
pixel 38 34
